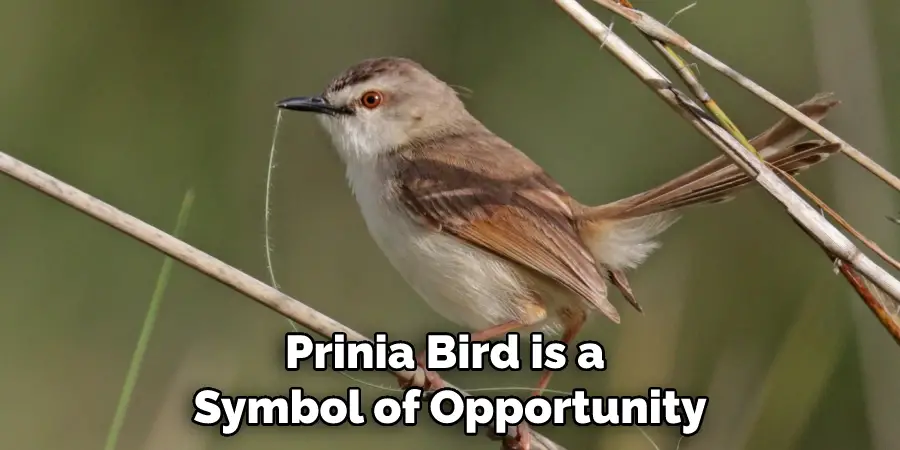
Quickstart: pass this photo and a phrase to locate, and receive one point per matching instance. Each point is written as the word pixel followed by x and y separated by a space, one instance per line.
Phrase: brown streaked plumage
pixel 479 188
pixel 478 229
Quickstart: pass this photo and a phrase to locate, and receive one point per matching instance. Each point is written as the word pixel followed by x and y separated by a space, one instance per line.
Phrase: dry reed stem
pixel 839 219
pixel 210 266
pixel 871 299
pixel 806 216
pixel 659 31
pixel 887 320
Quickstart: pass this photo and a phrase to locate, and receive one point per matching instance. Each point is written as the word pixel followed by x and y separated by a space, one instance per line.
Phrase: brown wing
pixel 480 189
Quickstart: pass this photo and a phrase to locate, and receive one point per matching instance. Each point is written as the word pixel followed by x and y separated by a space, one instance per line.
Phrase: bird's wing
pixel 480 189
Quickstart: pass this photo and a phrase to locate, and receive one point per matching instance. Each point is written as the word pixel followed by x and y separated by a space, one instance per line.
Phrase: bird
pixel 483 233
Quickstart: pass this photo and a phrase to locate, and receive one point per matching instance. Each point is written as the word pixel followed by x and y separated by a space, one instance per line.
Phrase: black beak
pixel 315 104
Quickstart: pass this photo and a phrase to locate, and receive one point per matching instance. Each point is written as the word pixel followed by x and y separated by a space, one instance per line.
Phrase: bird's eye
pixel 371 99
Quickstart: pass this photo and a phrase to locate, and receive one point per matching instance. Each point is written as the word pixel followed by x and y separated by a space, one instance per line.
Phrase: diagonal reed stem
pixel 212 267
pixel 804 215
pixel 659 31
pixel 871 299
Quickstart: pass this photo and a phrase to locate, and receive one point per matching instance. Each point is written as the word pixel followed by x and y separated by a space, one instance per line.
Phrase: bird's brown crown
pixel 370 68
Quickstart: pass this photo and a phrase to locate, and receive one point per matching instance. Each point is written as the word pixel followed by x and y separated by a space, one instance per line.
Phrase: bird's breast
pixel 463 283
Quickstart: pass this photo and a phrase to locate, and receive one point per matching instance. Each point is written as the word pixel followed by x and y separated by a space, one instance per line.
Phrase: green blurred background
pixel 135 102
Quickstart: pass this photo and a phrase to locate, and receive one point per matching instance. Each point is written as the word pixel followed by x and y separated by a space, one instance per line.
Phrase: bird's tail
pixel 620 235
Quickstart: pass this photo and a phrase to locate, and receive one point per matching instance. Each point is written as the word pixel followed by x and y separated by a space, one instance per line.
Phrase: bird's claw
pixel 432 382
pixel 522 441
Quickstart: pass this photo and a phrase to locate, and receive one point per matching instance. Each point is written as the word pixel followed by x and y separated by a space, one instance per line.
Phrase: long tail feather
pixel 715 180
pixel 722 185
pixel 620 235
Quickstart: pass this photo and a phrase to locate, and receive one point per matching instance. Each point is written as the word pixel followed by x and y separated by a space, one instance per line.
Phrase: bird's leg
pixel 496 330
pixel 523 439
pixel 433 381
pixel 571 329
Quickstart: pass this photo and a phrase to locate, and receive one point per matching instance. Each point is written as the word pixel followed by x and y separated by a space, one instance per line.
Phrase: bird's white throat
pixel 358 139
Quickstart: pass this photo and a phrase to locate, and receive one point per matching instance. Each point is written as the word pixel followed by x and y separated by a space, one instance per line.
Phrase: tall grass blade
pixel 112 437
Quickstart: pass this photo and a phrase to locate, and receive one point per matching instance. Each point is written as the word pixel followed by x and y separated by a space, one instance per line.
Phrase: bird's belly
pixel 465 284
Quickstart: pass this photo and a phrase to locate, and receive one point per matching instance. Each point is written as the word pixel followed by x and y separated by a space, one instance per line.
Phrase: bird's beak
pixel 317 104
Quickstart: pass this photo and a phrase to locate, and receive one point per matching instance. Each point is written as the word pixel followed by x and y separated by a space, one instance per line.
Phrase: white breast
pixel 467 285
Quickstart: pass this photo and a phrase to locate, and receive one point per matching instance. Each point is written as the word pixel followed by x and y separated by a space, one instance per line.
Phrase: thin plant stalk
pixel 268 216
pixel 872 298
pixel 659 31
pixel 137 357
pixel 212 267
pixel 887 320
pixel 725 122
pixel 801 211
pixel 839 219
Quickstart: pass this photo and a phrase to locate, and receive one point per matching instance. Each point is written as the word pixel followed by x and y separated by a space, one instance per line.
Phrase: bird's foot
pixel 433 381
pixel 522 441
